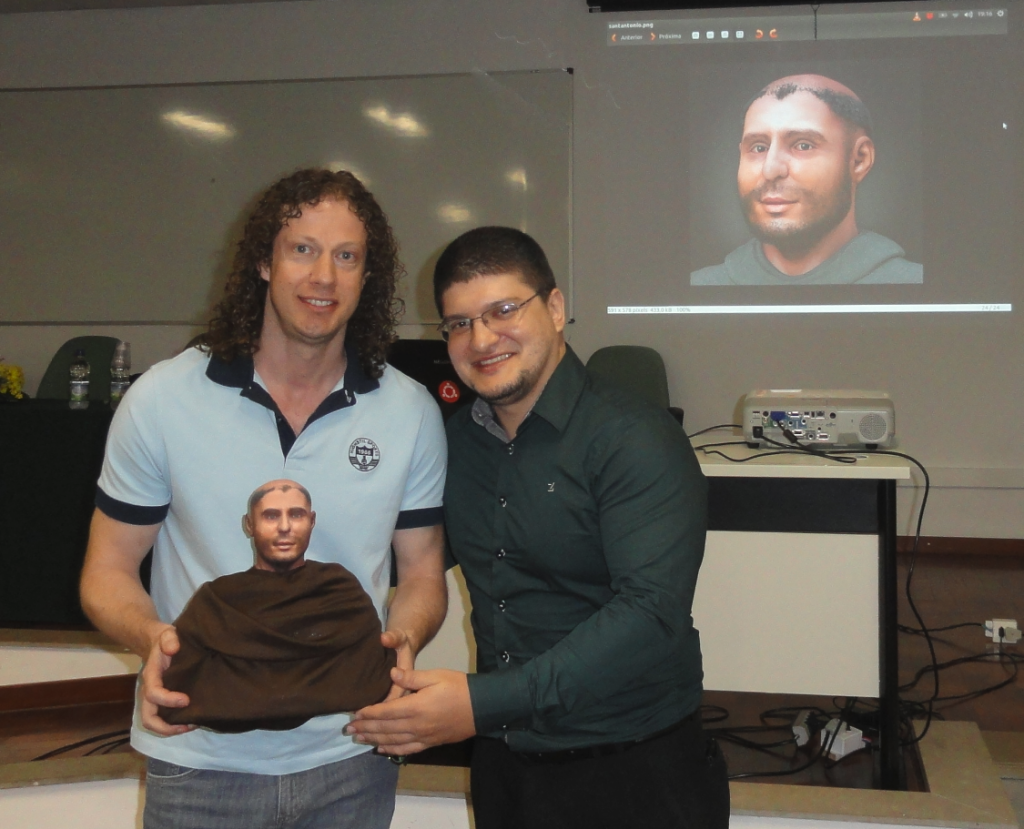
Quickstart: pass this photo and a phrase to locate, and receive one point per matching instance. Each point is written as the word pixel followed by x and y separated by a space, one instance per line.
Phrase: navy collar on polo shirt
pixel 240 374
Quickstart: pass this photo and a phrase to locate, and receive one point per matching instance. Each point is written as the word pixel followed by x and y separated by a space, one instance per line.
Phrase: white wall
pixel 936 369
pixel 22 665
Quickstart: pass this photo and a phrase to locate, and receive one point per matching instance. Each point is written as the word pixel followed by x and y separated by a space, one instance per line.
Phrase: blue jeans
pixel 358 793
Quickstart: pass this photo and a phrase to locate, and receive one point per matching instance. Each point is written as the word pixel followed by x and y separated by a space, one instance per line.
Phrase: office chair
pixel 99 351
pixel 637 369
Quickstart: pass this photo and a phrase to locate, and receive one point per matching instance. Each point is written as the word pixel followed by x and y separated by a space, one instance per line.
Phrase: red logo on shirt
pixel 448 391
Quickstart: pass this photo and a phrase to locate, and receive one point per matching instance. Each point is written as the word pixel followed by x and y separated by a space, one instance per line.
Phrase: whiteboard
pixel 124 204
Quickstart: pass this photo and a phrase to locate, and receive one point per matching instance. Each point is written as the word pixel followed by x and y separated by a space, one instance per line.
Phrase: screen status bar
pixel 823 26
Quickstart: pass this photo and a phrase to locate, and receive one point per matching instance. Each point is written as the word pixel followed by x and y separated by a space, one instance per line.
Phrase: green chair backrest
pixel 56 382
pixel 635 368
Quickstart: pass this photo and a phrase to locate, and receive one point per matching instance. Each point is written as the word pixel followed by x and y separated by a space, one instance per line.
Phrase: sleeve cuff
pixel 129 513
pixel 500 701
pixel 410 518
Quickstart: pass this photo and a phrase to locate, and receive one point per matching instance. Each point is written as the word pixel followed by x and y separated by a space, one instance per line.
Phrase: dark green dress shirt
pixel 580 541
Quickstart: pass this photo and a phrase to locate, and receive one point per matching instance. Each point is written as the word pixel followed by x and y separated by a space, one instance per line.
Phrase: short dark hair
pixel 486 251
pixel 264 490
pixel 851 109
pixel 238 318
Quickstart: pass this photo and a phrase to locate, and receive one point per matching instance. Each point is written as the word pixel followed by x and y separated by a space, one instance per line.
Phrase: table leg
pixel 891 769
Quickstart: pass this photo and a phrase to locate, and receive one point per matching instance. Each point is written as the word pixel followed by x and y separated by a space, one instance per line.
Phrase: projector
pixel 819 418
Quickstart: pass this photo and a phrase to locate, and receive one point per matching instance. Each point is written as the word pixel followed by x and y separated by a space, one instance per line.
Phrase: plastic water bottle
pixel 120 372
pixel 80 381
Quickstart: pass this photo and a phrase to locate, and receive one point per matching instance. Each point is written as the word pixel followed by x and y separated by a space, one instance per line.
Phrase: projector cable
pixel 714 428
pixel 925 630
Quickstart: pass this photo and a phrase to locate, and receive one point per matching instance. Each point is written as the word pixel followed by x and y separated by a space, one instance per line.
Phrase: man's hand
pixel 398 640
pixel 438 712
pixel 153 692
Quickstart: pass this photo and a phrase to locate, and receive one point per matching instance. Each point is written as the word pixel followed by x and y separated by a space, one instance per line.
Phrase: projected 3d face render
pixel 578 515
pixel 805 148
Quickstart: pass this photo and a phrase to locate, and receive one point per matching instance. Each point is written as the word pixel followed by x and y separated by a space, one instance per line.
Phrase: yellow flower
pixel 12 379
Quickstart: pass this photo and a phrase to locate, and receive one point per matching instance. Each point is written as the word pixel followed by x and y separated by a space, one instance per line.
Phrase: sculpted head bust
pixel 279 521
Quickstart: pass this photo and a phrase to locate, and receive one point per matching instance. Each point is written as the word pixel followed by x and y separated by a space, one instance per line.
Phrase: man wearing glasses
pixel 578 515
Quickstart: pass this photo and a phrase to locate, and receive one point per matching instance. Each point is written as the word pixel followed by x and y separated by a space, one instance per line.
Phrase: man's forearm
pixel 119 606
pixel 418 608
pixel 112 593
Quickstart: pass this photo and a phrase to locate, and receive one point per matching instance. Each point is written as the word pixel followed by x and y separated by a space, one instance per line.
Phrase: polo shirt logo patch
pixel 363 454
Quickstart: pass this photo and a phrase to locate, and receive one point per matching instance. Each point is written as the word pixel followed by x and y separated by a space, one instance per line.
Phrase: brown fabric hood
pixel 271 650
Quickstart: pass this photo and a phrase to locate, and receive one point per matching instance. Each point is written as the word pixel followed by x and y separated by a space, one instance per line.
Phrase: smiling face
pixel 279 524
pixel 507 368
pixel 798 170
pixel 316 274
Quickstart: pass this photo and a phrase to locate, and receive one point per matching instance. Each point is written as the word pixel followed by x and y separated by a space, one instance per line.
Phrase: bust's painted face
pixel 280 524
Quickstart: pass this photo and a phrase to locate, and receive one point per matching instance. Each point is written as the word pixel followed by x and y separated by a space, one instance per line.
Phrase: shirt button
pixel 501 605
pixel 500 554
pixel 502 501
pixel 504 656
pixel 511 448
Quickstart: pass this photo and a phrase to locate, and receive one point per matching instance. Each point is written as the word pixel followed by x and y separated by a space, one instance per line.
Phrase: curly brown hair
pixel 238 318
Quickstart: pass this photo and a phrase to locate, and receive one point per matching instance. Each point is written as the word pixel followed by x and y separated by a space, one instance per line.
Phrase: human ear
pixel 556 308
pixel 862 158
pixel 247 527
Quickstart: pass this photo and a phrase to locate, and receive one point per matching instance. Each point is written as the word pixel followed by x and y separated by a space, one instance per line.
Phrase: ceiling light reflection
pixel 338 166
pixel 452 213
pixel 199 124
pixel 517 178
pixel 400 123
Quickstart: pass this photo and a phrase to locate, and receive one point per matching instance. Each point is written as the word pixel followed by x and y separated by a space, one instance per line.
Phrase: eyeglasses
pixel 499 319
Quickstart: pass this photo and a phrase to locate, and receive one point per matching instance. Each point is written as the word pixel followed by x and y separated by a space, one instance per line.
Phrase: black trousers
pixel 677 781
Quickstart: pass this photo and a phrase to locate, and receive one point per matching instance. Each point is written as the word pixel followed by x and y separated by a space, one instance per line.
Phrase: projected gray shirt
pixel 868 259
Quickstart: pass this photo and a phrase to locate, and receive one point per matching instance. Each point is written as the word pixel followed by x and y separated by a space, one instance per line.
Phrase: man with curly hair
pixel 291 382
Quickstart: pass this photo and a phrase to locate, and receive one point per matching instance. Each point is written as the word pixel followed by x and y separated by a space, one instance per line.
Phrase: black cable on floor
pixel 80 743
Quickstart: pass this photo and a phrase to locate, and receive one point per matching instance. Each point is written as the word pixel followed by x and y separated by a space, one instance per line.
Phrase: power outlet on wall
pixel 1002 631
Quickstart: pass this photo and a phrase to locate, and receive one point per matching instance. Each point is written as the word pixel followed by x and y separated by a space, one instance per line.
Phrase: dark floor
pixel 29 735
pixel 947 590
pixel 952 589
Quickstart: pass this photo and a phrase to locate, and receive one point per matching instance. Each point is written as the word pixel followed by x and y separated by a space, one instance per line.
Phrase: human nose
pixel 480 335
pixel 775 165
pixel 284 524
pixel 323 270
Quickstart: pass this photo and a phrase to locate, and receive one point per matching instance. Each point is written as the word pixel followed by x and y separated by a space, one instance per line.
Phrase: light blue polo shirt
pixel 188 445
